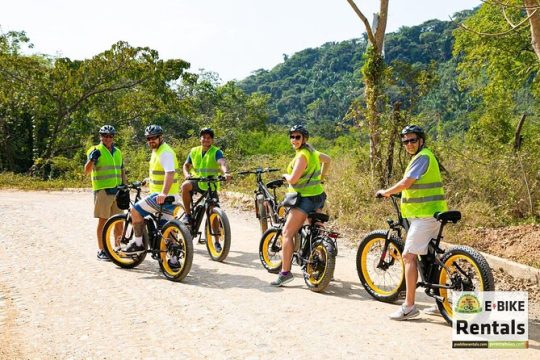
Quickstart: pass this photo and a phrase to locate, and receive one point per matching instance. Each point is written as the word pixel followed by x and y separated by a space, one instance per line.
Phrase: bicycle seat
pixel 275 184
pixel 320 217
pixel 448 216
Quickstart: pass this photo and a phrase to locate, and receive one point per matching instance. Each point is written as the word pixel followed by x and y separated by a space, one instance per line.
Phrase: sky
pixel 230 37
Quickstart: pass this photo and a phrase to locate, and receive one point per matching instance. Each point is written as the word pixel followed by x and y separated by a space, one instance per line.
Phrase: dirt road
pixel 58 301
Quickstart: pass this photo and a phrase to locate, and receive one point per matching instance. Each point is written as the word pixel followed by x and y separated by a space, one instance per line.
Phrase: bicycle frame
pixel 428 264
pixel 152 222
pixel 204 203
pixel 263 194
pixel 306 236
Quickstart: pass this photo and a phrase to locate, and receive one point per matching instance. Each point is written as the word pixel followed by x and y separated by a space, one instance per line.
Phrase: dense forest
pixel 317 86
pixel 476 95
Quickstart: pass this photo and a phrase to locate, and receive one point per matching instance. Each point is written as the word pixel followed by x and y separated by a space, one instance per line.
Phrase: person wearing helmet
pixel 304 175
pixel 422 196
pixel 105 164
pixel 202 161
pixel 163 174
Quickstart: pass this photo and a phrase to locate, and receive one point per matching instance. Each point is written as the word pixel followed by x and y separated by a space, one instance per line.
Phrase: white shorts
pixel 421 231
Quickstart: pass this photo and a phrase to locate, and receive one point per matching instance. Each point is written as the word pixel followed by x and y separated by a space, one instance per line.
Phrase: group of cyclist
pixel 421 188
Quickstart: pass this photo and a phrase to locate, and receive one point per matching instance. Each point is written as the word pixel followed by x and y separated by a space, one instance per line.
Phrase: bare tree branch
pixel 506 17
pixel 369 31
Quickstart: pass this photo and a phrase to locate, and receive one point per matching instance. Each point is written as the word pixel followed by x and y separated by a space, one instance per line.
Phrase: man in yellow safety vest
pixel 106 165
pixel 164 177
pixel 422 197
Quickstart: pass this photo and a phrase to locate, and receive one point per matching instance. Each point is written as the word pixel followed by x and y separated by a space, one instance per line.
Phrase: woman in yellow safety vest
pixel 304 175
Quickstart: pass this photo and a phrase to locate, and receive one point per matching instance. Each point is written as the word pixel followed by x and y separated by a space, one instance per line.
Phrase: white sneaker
pixel 404 313
pixel 432 310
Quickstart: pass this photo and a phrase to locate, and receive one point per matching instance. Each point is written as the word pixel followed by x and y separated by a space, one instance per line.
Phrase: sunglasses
pixel 107 136
pixel 151 138
pixel 296 137
pixel 409 141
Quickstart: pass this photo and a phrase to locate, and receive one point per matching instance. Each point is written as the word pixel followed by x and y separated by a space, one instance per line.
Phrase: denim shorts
pixel 310 204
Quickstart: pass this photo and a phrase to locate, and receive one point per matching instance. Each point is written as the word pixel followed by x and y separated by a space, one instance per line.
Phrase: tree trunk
pixel 373 71
pixel 534 21
pixel 394 134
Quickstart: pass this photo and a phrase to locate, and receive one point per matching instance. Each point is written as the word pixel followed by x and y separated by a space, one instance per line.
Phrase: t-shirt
pixel 418 167
pixel 219 155
pixel 166 159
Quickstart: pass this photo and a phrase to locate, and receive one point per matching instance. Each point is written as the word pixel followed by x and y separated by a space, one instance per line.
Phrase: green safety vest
pixel 204 166
pixel 157 174
pixel 107 171
pixel 309 183
pixel 426 196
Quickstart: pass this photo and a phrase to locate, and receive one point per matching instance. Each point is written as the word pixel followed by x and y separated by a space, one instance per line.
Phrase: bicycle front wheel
pixel 270 250
pixel 262 213
pixel 117 232
pixel 382 273
pixel 465 269
pixel 175 251
pixel 218 234
pixel 320 267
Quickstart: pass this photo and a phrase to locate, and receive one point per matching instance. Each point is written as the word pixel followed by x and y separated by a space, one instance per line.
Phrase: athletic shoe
pixel 405 314
pixel 102 255
pixel 133 249
pixel 282 279
pixel 432 310
pixel 173 263
pixel 217 246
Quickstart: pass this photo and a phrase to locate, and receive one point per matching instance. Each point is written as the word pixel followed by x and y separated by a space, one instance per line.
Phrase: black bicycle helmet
pixel 153 130
pixel 299 128
pixel 107 130
pixel 413 129
pixel 208 131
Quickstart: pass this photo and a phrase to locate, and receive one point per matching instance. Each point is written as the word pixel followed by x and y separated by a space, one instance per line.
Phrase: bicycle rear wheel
pixel 270 250
pixel 178 211
pixel 465 269
pixel 381 273
pixel 175 251
pixel 320 267
pixel 117 232
pixel 218 234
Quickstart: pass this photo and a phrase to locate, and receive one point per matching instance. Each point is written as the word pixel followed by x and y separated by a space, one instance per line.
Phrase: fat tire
pixel 263 215
pixel 225 238
pixel 477 260
pixel 188 259
pixel 126 263
pixel 266 237
pixel 329 267
pixel 374 292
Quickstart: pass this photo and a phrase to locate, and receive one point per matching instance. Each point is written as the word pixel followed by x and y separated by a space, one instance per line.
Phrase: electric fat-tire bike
pixel 217 228
pixel 169 242
pixel 315 250
pixel 267 209
pixel 381 270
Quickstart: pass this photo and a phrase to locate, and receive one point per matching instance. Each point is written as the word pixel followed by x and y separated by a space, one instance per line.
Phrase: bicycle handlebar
pixel 257 171
pixel 208 179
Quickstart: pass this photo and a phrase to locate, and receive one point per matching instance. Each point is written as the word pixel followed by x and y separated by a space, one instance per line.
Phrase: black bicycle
pixel 380 267
pixel 315 250
pixel 267 209
pixel 217 227
pixel 169 242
